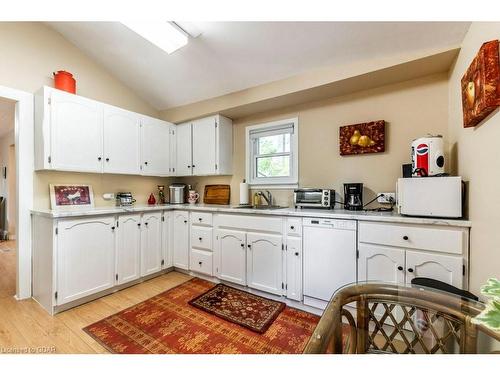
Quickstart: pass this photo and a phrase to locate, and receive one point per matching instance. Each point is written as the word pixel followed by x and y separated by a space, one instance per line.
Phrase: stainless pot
pixel 177 193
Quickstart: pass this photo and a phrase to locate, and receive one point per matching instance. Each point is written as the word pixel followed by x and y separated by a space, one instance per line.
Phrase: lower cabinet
pixel 85 257
pixel 201 261
pixel 181 239
pixel 382 263
pixel 151 244
pixel 264 262
pixel 128 249
pixel 232 256
pixel 294 268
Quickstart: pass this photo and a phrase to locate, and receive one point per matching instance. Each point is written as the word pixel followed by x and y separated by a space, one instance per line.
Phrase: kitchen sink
pixel 260 207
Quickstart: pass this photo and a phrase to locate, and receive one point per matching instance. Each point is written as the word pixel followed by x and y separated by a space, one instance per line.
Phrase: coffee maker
pixel 353 197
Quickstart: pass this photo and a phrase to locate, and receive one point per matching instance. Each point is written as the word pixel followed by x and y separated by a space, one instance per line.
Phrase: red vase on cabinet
pixel 152 199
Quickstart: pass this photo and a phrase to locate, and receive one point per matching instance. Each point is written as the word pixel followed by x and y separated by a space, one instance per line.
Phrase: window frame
pixel 288 182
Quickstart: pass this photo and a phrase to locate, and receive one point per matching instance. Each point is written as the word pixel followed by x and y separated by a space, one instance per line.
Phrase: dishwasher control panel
pixel 332 223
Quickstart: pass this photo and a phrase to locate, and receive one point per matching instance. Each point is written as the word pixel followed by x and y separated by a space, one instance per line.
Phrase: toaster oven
pixel 314 198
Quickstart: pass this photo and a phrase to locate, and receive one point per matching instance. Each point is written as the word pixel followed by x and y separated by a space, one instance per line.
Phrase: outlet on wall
pixel 386 198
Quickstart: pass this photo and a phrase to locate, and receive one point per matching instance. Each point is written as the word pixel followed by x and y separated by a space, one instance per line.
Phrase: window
pixel 272 153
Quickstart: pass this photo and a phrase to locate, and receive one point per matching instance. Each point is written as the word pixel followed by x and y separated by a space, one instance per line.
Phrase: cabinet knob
pixel 107 159
pixel 201 239
pixel 99 158
pixel 242 245
pixel 138 224
pixel 410 270
pixel 405 238
pixel 193 165
pixel 297 254
pixel 112 228
pixel 185 221
pixel 189 166
pixel 292 227
pixel 200 262
pixel 200 219
pixel 400 268
pixel 249 246
pixel 146 163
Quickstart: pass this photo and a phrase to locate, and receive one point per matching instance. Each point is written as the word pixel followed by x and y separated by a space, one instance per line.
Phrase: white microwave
pixel 430 196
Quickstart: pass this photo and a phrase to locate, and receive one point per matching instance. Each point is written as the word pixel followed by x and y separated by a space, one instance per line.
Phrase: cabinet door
pixel 204 146
pixel 151 246
pixel 232 256
pixel 445 268
pixel 181 240
pixel 167 240
pixel 184 159
pixel 264 262
pixel 128 250
pixel 121 141
pixel 155 147
pixel 173 150
pixel 294 268
pixel 85 257
pixel 76 133
pixel 379 263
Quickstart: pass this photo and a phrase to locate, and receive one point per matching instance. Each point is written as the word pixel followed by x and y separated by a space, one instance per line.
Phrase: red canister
pixel 64 80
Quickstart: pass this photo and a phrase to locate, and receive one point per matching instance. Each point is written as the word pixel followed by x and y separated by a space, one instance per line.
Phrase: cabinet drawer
pixel 294 227
pixel 250 223
pixel 201 261
pixel 201 218
pixel 424 237
pixel 201 237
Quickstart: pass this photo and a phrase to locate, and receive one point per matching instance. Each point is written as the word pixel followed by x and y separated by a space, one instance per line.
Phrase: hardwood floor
pixel 26 327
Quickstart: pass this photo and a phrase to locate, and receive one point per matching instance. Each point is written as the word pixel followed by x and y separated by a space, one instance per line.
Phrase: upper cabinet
pixel 204 147
pixel 77 134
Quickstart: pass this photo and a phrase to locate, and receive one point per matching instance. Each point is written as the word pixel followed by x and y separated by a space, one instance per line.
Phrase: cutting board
pixel 217 194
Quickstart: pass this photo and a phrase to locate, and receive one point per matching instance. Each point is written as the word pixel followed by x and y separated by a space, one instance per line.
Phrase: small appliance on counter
pixel 353 196
pixel 314 198
pixel 177 193
pixel 427 156
pixel 430 196
pixel 124 199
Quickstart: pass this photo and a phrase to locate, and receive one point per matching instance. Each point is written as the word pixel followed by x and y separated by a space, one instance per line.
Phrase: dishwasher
pixel 329 258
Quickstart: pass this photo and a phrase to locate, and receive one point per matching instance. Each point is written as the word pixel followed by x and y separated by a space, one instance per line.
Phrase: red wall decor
pixel 481 85
pixel 368 137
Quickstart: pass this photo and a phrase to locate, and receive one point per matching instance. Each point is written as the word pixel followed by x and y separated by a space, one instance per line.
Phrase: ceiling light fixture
pixel 166 35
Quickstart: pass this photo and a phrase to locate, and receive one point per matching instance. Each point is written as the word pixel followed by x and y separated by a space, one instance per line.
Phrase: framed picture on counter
pixel 71 197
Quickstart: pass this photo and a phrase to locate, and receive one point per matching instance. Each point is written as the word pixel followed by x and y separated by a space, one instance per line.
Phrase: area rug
pixel 167 323
pixel 246 309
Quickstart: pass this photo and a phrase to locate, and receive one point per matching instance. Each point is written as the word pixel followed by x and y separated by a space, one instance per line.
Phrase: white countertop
pixel 331 214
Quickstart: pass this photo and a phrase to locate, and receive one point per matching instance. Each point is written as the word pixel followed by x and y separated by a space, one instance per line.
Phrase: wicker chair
pixel 395 319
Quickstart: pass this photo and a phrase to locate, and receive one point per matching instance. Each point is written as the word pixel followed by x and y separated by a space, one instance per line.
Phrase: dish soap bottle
pixel 256 199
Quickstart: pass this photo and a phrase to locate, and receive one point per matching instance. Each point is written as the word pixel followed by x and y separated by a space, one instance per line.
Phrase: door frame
pixel 25 156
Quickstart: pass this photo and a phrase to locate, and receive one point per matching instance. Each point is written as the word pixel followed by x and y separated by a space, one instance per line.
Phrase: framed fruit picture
pixel 71 197
pixel 364 138
pixel 481 85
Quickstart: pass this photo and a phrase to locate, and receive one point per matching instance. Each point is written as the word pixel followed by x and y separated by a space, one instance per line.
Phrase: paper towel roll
pixel 244 193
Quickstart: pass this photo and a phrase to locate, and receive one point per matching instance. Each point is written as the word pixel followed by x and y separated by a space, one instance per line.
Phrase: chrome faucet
pixel 268 198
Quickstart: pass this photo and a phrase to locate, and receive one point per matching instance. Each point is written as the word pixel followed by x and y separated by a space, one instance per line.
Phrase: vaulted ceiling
pixel 231 56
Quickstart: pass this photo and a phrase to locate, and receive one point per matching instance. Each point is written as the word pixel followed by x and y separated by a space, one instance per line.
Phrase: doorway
pixel 16 191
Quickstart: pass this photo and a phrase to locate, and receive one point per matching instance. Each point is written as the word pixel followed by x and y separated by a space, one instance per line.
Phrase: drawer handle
pixel 405 238
pixel 400 268
pixel 200 238
pixel 200 262
pixel 410 270
pixel 200 219
pixel 292 227
pixel 297 254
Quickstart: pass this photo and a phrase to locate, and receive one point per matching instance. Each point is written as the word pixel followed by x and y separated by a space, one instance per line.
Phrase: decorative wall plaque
pixel 362 138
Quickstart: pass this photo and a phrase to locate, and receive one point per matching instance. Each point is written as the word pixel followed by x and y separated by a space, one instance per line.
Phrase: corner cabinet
pixel 204 147
pixel 76 134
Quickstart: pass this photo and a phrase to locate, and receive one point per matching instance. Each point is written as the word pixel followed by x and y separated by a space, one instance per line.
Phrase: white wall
pixel 476 157
pixel 5 142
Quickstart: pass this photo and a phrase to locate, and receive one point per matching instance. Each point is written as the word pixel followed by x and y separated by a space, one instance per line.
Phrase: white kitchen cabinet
pixel 85 257
pixel 155 147
pixel 264 262
pixel 121 147
pixel 445 268
pixel 204 147
pixel 76 133
pixel 232 256
pixel 128 249
pixel 294 268
pixel 167 239
pixel 151 245
pixel 381 263
pixel 181 239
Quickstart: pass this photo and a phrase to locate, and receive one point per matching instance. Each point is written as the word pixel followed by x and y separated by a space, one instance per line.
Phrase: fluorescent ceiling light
pixel 166 35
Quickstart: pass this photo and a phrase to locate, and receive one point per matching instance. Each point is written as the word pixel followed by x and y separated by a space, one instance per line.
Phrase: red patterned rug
pixel 248 310
pixel 167 323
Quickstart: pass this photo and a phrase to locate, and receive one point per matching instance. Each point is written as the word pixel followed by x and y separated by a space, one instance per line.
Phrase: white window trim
pixel 276 182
